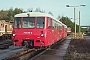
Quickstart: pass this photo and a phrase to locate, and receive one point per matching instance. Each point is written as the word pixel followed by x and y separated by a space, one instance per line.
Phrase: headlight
pixel 14 34
pixel 42 35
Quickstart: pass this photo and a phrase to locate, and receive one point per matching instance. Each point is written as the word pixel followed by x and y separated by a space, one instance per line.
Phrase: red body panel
pixel 32 34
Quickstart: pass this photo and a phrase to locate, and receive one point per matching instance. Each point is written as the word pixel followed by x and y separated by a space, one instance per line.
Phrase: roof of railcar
pixel 32 14
pixel 64 25
pixel 36 14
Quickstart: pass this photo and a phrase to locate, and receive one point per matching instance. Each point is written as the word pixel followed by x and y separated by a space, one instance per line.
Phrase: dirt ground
pixel 79 49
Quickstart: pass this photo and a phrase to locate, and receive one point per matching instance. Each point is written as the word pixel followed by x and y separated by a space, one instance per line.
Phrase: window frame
pixel 43 23
pixel 28 20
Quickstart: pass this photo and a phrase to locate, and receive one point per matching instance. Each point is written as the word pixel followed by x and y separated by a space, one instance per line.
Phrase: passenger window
pixel 40 22
pixel 53 23
pixel 49 23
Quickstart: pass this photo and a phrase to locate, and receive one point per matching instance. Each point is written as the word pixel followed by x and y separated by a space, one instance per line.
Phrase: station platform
pixel 57 52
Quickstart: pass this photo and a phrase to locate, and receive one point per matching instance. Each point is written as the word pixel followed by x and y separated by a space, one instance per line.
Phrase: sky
pixel 57 7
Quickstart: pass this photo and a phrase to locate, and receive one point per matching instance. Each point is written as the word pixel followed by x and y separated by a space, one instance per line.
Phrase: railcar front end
pixel 35 30
pixel 29 32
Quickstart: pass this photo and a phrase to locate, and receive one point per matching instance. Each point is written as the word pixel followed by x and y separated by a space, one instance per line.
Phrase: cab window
pixel 40 23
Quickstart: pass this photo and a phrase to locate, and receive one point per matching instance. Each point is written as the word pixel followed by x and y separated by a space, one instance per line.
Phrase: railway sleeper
pixel 4 46
pixel 6 36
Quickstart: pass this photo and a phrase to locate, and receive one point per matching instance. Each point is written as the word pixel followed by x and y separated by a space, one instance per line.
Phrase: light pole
pixel 75 16
pixel 79 24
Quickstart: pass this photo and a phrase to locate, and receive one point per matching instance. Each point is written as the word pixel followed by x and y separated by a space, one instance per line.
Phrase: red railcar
pixel 35 29
pixel 64 30
pixel 68 30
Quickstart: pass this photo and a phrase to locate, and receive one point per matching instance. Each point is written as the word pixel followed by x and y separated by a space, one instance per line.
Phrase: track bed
pixel 79 49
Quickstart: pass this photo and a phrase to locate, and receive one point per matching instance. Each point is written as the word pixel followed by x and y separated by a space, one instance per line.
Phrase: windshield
pixel 28 22
pixel 17 22
pixel 40 22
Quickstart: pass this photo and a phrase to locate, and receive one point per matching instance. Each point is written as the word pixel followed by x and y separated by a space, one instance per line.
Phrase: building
pixel 5 27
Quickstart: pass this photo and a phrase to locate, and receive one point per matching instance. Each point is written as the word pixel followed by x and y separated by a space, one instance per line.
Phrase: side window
pixel 17 22
pixel 40 22
pixel 56 25
pixel 60 26
pixel 53 24
pixel 49 23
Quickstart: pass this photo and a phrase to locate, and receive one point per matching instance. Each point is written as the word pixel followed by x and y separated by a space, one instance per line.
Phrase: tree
pixel 50 13
pixel 0 17
pixel 43 11
pixel 67 21
pixel 10 15
pixel 30 10
pixel 11 18
pixel 17 11
pixel 3 14
pixel 12 12
pixel 58 17
pixel 38 10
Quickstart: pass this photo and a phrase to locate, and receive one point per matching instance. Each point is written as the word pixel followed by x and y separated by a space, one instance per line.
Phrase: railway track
pixel 51 48
pixel 5 44
pixel 6 38
pixel 5 51
pixel 29 54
